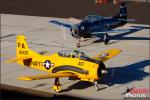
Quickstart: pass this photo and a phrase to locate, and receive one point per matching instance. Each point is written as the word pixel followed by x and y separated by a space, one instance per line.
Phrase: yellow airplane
pixel 69 63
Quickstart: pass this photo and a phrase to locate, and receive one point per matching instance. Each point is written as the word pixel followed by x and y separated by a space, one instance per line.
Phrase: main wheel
pixel 100 68
pixel 57 88
pixel 78 45
pixel 106 39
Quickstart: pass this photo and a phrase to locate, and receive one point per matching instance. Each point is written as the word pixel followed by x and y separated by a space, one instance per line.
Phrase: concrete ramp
pixel 128 69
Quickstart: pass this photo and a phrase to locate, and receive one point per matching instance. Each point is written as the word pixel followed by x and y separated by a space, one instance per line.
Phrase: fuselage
pixel 96 23
pixel 86 69
pixel 87 27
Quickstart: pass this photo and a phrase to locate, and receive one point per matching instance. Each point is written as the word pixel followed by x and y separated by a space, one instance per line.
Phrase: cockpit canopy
pixel 73 54
pixel 93 18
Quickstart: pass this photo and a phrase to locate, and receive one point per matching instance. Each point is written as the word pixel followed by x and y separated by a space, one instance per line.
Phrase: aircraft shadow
pixel 126 74
pixel 117 75
pixel 121 36
pixel 78 85
pixel 39 85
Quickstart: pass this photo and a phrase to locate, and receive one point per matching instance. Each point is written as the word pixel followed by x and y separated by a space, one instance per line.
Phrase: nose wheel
pixel 57 86
pixel 106 39
pixel 78 45
pixel 78 42
pixel 96 86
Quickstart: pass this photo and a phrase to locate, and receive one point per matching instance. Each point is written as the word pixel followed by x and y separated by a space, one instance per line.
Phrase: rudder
pixel 22 48
pixel 24 55
pixel 123 11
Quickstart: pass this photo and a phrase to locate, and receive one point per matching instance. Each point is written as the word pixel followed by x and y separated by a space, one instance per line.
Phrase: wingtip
pixel 25 78
pixel 7 61
pixel 116 49
pixel 10 61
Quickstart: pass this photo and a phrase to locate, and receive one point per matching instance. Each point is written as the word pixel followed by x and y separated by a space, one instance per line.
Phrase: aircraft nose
pixel 74 32
pixel 101 70
pixel 104 71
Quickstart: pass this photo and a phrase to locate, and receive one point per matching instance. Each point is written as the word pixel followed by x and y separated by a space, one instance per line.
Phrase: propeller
pixel 75 31
pixel 102 69
pixel 63 33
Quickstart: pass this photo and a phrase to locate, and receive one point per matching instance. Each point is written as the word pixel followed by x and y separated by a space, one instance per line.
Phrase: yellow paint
pixel 110 53
pixel 25 78
pixel 29 58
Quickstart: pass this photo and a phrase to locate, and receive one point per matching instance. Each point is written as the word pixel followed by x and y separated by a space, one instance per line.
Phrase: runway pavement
pixel 128 69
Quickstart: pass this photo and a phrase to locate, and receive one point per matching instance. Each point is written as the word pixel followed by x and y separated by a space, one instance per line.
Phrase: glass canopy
pixel 93 18
pixel 72 54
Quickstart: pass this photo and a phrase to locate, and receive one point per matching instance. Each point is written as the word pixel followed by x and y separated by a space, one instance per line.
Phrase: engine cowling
pixel 101 70
pixel 75 31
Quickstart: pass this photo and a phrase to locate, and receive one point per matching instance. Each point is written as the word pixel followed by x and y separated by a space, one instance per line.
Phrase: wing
pixel 106 55
pixel 111 31
pixel 45 76
pixel 75 20
pixel 61 24
pixel 128 20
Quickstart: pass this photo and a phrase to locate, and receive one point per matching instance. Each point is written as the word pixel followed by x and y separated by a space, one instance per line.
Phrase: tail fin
pixel 23 54
pixel 22 48
pixel 123 12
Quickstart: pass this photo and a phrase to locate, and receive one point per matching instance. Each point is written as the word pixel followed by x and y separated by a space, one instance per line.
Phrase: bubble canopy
pixel 72 54
pixel 93 18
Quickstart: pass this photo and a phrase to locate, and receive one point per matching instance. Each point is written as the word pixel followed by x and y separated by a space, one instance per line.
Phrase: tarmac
pixel 129 69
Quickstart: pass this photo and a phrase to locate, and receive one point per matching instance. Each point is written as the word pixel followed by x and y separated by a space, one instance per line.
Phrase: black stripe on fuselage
pixel 70 68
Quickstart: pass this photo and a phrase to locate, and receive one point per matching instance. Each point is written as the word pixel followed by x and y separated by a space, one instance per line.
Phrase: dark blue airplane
pixel 92 24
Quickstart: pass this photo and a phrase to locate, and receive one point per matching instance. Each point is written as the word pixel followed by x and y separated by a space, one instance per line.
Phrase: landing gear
pixel 78 45
pixel 96 86
pixel 57 86
pixel 80 39
pixel 106 39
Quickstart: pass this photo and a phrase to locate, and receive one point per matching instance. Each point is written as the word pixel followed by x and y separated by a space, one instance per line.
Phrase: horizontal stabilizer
pixel 17 59
pixel 127 20
pixel 60 23
pixel 99 34
pixel 106 55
